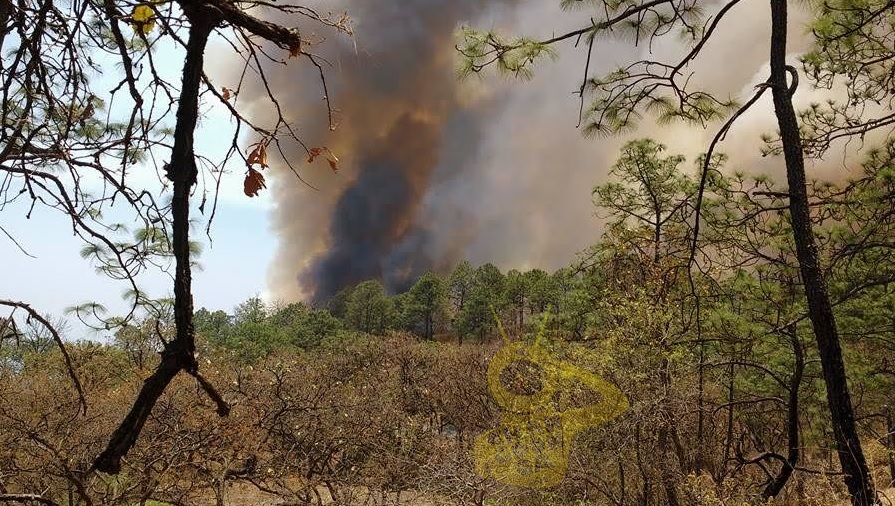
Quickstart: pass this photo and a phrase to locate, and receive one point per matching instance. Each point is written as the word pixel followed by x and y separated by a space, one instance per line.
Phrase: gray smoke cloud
pixel 434 170
pixel 406 122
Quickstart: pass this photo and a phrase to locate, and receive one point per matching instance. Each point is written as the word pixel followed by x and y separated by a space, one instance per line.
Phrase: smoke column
pixel 433 171
pixel 400 108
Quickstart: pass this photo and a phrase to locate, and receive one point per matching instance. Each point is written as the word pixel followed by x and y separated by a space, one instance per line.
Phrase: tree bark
pixel 848 445
pixel 890 443
pixel 792 420
pixel 667 431
pixel 179 354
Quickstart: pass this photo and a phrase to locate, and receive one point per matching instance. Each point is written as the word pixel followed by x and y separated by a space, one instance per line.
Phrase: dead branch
pixel 69 367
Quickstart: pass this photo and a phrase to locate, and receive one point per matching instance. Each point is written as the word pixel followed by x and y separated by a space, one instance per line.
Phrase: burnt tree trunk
pixel 848 445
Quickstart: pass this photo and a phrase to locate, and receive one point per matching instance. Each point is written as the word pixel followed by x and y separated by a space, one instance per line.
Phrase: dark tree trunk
pixel 890 444
pixel 848 445
pixel 792 420
pixel 667 438
pixel 179 354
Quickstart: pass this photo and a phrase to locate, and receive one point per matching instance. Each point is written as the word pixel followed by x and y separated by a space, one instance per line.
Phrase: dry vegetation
pixel 371 421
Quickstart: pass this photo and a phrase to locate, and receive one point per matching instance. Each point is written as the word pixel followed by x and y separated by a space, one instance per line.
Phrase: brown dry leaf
pixel 295 51
pixel 254 183
pixel 226 93
pixel 331 159
pixel 258 155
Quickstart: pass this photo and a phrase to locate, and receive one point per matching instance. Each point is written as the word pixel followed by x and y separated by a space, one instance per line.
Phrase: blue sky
pixel 234 266
pixel 234 263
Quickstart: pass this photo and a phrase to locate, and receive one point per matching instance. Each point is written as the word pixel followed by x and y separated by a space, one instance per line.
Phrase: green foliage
pixel 212 325
pixel 338 304
pixel 425 305
pixel 541 290
pixel 512 56
pixel 488 290
pixel 516 294
pixel 257 330
pixel 369 310
pixel 574 303
pixel 852 54
pixel 646 187
pixel 460 285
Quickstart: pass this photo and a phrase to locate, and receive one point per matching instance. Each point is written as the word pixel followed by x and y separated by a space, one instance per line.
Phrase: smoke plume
pixel 434 170
pixel 403 115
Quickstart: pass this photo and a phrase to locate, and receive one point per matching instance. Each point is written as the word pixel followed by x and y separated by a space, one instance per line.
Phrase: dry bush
pixel 368 421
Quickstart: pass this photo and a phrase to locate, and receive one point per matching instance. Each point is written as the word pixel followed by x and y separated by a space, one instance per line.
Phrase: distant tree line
pixel 457 307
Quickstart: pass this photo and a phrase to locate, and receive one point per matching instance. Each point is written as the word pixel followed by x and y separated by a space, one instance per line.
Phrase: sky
pixel 233 263
pixel 518 194
pixel 53 277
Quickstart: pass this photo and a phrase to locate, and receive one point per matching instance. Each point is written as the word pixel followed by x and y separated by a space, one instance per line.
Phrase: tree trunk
pixel 179 354
pixel 667 431
pixel 890 444
pixel 792 420
pixel 848 445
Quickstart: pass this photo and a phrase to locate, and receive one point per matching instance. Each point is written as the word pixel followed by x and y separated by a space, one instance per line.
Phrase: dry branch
pixel 179 354
pixel 69 367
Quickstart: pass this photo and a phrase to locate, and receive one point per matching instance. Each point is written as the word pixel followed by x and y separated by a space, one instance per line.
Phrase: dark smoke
pixel 377 210
pixel 396 96
pixel 433 171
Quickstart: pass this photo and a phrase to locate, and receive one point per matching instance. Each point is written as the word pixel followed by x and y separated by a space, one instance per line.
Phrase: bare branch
pixel 27 498
pixel 69 366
